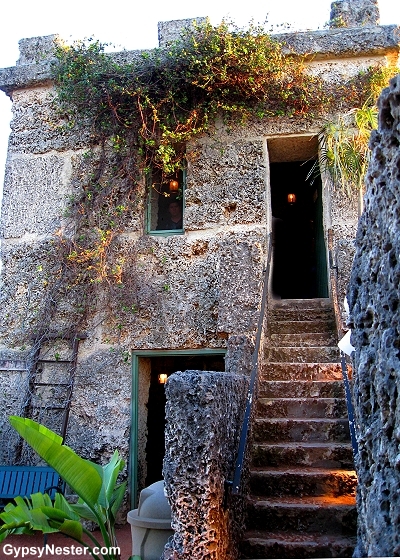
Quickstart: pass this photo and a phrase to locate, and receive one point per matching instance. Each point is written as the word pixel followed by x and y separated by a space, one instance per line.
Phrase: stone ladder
pixel 302 482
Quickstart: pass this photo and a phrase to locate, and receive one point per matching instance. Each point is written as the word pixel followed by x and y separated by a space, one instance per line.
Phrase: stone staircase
pixel 302 482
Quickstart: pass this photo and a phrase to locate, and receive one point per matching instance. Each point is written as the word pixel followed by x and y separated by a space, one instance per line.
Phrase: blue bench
pixel 24 481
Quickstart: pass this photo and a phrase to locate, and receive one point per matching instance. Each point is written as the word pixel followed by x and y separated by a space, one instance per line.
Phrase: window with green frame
pixel 166 203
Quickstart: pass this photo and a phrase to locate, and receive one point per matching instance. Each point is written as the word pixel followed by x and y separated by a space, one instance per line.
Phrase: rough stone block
pixel 226 185
pixel 241 265
pixel 101 417
pixel 374 300
pixel 354 13
pixel 26 208
pixel 37 126
pixel 169 31
pixel 34 50
pixel 204 412
pixel 13 392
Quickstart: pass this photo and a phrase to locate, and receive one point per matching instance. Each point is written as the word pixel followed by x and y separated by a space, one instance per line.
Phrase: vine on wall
pixel 141 115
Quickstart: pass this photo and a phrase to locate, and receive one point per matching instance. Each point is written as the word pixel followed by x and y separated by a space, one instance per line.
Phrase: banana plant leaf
pixel 84 477
pixel 38 514
pixel 117 498
pixel 110 475
pixel 95 485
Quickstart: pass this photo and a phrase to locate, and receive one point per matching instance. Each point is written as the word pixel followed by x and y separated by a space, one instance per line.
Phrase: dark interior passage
pixel 299 257
pixel 155 448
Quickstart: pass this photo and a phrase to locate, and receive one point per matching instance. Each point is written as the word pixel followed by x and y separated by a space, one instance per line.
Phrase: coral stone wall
pixel 374 298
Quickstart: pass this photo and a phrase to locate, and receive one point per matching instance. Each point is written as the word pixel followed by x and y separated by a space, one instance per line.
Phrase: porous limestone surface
pixel 338 70
pixel 374 298
pixel 226 184
pixel 12 398
pixel 354 13
pixel 27 267
pixel 100 417
pixel 331 43
pixel 34 50
pixel 28 210
pixel 344 256
pixel 204 414
pixel 169 31
pixel 192 291
pixel 344 219
pixel 37 127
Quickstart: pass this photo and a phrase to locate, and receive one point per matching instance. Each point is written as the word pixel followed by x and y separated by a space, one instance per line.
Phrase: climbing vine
pixel 151 106
pixel 140 116
pixel 141 112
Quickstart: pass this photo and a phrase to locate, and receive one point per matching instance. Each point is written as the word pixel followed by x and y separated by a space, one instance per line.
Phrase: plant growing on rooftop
pixel 150 107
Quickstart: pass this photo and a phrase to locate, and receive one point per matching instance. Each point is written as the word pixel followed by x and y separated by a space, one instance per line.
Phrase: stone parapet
pixel 169 31
pixel 35 50
pixel 34 65
pixel 18 77
pixel 343 42
pixel 354 13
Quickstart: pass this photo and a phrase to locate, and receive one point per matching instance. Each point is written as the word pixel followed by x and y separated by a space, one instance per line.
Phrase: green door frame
pixel 136 354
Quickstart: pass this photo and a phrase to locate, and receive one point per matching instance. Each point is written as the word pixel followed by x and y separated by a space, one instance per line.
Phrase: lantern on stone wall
pixel 173 186
pixel 291 198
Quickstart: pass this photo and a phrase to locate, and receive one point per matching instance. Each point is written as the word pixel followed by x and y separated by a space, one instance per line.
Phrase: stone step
pixel 302 354
pixel 324 515
pixel 301 389
pixel 306 481
pixel 301 371
pixel 302 430
pixel 302 339
pixel 304 326
pixel 324 455
pixel 301 408
pixel 301 314
pixel 314 303
pixel 258 544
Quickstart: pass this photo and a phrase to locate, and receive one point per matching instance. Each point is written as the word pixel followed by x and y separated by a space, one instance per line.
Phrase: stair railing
pixel 235 483
pixel 333 269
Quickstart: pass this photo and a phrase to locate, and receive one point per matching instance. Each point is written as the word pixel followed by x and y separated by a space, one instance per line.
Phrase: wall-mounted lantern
pixel 162 378
pixel 291 198
pixel 173 186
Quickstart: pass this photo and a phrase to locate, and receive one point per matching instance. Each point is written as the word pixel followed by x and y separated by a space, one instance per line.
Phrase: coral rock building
pixel 195 286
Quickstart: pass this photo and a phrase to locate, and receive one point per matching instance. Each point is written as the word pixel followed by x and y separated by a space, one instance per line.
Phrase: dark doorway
pixel 299 258
pixel 155 447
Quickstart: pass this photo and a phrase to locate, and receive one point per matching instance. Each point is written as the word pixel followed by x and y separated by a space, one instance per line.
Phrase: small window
pixel 166 203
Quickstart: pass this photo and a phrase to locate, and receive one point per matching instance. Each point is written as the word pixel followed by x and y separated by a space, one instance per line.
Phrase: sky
pixel 133 25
